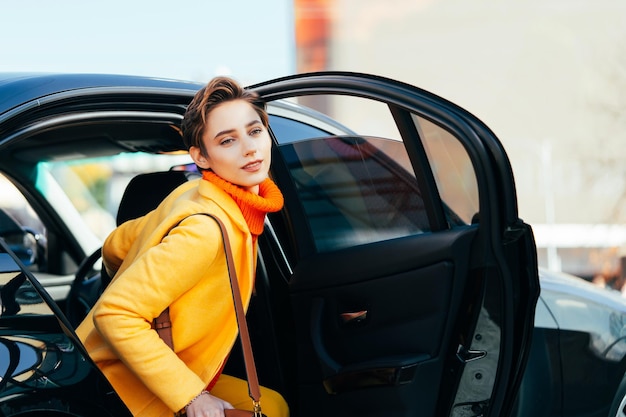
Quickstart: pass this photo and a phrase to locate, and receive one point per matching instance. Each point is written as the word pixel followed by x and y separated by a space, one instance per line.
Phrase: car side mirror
pixel 24 243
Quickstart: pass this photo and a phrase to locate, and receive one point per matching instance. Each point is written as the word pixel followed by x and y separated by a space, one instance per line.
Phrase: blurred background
pixel 548 76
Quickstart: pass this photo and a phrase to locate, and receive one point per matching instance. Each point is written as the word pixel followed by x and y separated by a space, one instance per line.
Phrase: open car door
pixel 412 280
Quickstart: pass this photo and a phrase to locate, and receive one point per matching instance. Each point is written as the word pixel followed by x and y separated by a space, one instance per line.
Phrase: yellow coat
pixel 163 263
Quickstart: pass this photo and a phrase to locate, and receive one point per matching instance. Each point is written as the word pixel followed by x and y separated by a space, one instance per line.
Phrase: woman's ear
pixel 198 158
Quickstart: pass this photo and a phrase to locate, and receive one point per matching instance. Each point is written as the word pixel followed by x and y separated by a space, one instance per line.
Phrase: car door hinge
pixel 468 355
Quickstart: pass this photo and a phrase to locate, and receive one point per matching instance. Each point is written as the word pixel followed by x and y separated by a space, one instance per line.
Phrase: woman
pixel 172 258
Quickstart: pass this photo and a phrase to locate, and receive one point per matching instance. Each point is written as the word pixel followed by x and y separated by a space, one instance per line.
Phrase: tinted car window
pixel 355 179
pixel 603 320
pixel 452 169
pixel 352 190
pixel 287 130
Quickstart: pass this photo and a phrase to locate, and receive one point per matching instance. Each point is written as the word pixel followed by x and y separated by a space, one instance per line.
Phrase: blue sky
pixel 186 39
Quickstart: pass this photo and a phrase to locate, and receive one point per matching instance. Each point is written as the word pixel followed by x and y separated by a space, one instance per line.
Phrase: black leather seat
pixel 145 191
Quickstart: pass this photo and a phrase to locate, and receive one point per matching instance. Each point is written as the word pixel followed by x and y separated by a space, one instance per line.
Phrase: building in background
pixel 547 75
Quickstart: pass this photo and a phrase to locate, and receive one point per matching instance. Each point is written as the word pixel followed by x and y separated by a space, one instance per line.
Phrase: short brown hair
pixel 219 90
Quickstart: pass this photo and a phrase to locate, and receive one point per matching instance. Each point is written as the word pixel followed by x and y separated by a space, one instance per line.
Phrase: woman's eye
pixel 256 131
pixel 226 141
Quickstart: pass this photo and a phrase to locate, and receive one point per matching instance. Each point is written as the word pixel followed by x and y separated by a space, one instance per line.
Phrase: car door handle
pixel 354 317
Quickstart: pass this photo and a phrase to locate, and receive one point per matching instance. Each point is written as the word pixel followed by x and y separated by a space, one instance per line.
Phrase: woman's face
pixel 238 145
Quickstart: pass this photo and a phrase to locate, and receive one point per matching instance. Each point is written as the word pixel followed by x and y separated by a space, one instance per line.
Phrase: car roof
pixel 47 110
pixel 18 88
pixel 565 283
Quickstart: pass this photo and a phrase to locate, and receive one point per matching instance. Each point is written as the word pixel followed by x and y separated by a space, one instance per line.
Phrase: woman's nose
pixel 250 146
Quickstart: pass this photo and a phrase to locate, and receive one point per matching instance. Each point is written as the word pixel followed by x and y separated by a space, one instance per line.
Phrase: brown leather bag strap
pixel 163 325
pixel 244 335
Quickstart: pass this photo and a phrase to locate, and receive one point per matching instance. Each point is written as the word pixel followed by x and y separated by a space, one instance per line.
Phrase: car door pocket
pixel 393 370
pixel 382 373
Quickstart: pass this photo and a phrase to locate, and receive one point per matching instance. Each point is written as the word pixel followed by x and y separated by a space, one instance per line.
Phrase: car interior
pixel 72 136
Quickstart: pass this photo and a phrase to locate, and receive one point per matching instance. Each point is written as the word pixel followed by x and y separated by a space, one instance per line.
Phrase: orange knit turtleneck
pixel 253 206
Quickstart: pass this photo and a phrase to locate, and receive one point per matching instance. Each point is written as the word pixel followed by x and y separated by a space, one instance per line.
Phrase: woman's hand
pixel 207 405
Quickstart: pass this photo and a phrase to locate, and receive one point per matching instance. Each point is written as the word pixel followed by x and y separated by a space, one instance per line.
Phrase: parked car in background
pixel 398 280
pixel 577 361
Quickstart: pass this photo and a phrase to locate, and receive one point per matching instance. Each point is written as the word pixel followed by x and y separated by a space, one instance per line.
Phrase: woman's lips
pixel 253 166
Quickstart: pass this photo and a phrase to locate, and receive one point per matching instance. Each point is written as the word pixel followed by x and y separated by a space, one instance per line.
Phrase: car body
pixel 397 268
pixel 578 354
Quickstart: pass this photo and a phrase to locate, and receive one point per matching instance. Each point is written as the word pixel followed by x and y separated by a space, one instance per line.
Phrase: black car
pixel 578 355
pixel 398 280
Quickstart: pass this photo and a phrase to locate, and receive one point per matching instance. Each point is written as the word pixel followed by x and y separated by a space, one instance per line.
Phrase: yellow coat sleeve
pixel 118 243
pixel 156 278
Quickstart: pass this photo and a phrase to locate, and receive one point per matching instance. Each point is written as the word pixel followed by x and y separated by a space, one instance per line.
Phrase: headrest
pixel 145 191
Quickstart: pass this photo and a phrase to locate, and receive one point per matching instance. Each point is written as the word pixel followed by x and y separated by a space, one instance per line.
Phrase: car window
pixel 452 169
pixel 286 130
pixel 15 205
pixel 449 161
pixel 360 186
pixel 603 318
pixel 84 193
pixel 21 227
pixel 87 192
pixel 358 115
pixel 353 192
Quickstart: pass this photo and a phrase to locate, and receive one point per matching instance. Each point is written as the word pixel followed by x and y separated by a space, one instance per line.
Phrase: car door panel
pixel 401 254
pixel 363 327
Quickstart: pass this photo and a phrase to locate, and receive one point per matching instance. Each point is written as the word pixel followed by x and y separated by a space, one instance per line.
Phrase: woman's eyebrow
pixel 228 131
